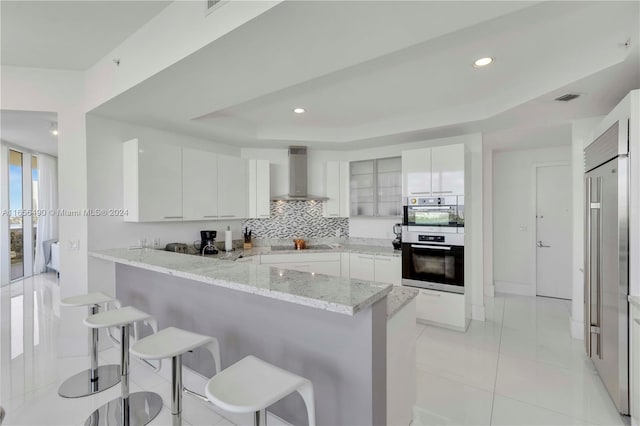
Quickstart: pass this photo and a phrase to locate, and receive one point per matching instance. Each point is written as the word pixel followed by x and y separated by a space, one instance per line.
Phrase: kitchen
pixel 189 169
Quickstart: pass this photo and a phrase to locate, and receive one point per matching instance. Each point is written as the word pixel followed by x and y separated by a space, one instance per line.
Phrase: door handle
pixel 542 245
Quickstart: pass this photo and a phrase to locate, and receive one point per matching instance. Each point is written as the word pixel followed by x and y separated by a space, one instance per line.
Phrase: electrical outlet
pixel 74 245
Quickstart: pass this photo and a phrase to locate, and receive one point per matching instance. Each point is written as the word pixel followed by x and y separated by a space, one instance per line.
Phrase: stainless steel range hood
pixel 298 177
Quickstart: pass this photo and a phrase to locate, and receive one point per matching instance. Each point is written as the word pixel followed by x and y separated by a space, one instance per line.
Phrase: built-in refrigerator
pixel 607 260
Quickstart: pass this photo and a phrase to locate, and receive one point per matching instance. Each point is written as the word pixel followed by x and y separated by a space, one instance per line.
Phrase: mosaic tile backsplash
pixel 297 219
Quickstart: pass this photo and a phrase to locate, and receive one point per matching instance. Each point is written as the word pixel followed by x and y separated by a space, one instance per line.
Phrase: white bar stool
pixel 251 385
pixel 97 378
pixel 136 409
pixel 171 343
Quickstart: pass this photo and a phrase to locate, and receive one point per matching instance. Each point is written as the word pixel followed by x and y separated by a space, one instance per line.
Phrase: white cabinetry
pixel 152 178
pixel 388 269
pixel 635 364
pixel 232 189
pixel 433 171
pixel 318 263
pixel 337 181
pixel 200 185
pixel 447 170
pixel 441 308
pixel 170 183
pixel 416 172
pixel 259 189
pixel 361 266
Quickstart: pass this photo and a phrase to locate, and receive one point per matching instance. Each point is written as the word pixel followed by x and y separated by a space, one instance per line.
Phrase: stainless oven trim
pixel 430 247
pixel 449 288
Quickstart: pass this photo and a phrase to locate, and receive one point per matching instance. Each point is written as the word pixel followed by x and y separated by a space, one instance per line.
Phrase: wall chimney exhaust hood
pixel 298 177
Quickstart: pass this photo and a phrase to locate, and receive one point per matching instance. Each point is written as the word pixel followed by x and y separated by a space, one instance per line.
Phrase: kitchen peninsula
pixel 332 330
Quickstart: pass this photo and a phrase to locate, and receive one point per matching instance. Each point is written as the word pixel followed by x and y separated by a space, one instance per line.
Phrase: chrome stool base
pixel 81 385
pixel 143 407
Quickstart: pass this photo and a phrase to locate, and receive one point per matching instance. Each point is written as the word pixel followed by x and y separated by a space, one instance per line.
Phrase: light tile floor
pixel 520 367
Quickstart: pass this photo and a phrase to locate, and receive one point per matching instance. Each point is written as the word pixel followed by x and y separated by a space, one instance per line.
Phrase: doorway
pixel 553 249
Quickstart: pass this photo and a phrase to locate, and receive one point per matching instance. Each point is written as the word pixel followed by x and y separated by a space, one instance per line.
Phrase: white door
pixel 553 239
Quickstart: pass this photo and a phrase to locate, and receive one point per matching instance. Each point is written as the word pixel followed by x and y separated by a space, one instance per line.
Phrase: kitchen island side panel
pixel 340 354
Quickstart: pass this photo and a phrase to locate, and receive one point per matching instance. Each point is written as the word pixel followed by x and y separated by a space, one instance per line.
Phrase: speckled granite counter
pixel 398 299
pixel 635 300
pixel 334 294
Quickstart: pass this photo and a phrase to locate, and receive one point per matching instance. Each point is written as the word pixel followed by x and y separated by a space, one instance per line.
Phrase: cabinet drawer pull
pixel 264 215
pixel 443 192
pixel 173 217
pixel 420 193
pixel 333 214
pixel 365 257
pixel 430 294
pixel 213 215
pixel 386 259
pixel 228 215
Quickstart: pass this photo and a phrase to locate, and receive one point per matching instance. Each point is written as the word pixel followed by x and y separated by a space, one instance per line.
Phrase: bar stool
pixel 1 415
pixel 171 343
pixel 251 385
pixel 97 378
pixel 136 409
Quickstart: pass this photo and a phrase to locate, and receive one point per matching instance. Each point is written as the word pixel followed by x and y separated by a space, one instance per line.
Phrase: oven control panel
pixel 431 238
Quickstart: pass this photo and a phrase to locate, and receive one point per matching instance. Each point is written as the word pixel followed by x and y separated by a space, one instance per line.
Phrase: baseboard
pixel 490 291
pixel 514 288
pixel 477 312
pixel 577 329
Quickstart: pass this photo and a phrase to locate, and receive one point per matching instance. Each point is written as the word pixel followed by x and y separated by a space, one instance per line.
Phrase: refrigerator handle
pixel 598 207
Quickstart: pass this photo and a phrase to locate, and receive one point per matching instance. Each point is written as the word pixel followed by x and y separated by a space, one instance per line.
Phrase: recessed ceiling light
pixel 482 62
pixel 299 110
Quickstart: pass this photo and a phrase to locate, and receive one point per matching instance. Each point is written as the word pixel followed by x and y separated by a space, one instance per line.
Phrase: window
pixel 376 187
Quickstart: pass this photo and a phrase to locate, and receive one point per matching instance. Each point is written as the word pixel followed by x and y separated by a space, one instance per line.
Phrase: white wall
pixel 31 89
pixel 513 213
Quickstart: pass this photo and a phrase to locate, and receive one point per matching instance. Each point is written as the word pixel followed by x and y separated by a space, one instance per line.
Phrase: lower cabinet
pixel 362 266
pixel 388 269
pixel 635 364
pixel 441 308
pixel 318 263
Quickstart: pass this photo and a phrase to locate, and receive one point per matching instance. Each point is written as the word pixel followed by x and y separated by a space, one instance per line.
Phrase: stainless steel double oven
pixel 433 243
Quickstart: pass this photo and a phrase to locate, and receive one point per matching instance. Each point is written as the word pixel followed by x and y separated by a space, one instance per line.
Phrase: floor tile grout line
pixel 495 382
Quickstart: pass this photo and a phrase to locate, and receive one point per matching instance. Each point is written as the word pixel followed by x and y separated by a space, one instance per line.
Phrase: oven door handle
pixel 421 246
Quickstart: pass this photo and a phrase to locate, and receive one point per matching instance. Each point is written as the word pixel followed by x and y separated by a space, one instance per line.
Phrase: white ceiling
pixel 371 73
pixel 71 35
pixel 29 129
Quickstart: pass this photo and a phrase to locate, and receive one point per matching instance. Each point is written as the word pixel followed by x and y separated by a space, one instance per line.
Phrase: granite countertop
pixel 634 300
pixel 398 298
pixel 335 294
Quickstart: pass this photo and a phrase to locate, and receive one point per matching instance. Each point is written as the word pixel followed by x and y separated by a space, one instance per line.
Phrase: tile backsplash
pixel 297 219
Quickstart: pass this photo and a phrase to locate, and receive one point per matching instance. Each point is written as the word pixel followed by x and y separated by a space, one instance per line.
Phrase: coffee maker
pixel 397 243
pixel 207 243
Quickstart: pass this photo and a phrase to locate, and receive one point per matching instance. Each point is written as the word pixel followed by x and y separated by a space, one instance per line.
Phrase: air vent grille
pixel 567 97
pixel 213 4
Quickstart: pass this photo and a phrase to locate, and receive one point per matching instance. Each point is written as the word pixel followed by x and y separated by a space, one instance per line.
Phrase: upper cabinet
pixel 169 183
pixel 200 185
pixel 232 187
pixel 447 170
pixel 416 172
pixel 337 188
pixel 152 181
pixel 433 171
pixel 259 189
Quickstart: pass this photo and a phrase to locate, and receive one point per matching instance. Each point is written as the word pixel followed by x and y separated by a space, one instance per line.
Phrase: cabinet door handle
pixel 333 214
pixel 430 294
pixel 366 257
pixel 213 215
pixel 420 193
pixel 173 217
pixel 442 192
pixel 386 259
pixel 228 215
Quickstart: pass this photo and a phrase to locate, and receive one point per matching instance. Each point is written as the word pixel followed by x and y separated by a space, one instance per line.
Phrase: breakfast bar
pixel 331 330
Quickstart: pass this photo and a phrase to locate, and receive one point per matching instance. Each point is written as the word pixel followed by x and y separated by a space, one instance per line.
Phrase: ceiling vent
pixel 567 97
pixel 211 5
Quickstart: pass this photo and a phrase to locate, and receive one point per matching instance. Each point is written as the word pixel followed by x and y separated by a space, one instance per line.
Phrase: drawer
pixel 299 257
pixel 441 307
pixel 327 268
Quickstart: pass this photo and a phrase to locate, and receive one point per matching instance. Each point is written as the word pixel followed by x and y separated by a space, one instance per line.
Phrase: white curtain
pixel 47 202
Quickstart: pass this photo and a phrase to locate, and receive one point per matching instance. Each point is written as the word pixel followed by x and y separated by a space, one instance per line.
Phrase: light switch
pixel 523 228
pixel 74 245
